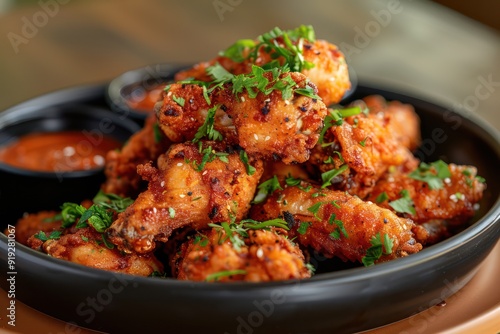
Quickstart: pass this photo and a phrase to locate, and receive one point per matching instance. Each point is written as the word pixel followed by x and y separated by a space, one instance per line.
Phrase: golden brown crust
pixel 33 223
pixel 266 126
pixel 310 218
pixel 182 193
pixel 85 246
pixel 121 166
pixel 454 201
pixel 266 256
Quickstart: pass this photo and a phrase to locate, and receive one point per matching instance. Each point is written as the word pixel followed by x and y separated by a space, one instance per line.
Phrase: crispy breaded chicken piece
pixel 337 224
pixel 121 166
pixel 85 246
pixel 192 186
pixel 33 223
pixel 329 73
pixel 365 146
pixel 267 255
pixel 266 126
pixel 453 202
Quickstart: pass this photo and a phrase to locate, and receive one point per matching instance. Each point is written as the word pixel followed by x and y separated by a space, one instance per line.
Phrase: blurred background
pixel 446 54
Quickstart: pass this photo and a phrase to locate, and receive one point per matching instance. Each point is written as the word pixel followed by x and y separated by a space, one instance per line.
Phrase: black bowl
pixel 135 83
pixel 342 301
pixel 23 190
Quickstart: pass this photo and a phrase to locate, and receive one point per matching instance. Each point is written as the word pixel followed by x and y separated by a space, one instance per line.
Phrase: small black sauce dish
pixel 26 190
pixel 134 93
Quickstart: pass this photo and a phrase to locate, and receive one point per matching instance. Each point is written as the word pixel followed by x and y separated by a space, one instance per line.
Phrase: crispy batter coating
pixel 183 191
pixel 266 126
pixel 121 166
pixel 313 219
pixel 33 223
pixel 330 72
pixel 369 145
pixel 267 255
pixel 453 202
pixel 85 246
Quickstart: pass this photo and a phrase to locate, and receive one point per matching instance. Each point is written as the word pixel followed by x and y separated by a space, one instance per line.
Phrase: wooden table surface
pixel 408 46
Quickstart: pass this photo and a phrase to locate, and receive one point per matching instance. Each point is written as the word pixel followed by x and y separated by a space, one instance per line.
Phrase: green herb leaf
pixel 266 188
pixel 303 227
pixel 433 174
pixel 404 204
pixel 382 197
pixel 328 176
pixel 157 133
pixel 244 158
pixel 218 275
pixel 171 212
pixel 315 208
pixel 179 100
pixel 207 129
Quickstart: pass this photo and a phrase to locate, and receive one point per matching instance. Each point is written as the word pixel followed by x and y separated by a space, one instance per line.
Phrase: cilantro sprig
pixel 336 117
pixel 266 188
pixel 404 204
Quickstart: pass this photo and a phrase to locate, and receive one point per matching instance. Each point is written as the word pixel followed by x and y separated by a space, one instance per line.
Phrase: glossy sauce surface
pixel 144 99
pixel 58 151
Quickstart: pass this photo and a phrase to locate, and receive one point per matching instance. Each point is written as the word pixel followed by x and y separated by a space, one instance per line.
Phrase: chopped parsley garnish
pixel 207 129
pixel 328 176
pixel 244 158
pixel 106 242
pixel 226 273
pixel 433 174
pixel 209 155
pixel 335 117
pixel 314 209
pixel 99 215
pixel 295 182
pixel 179 100
pixel 235 231
pixel 363 142
pixel 403 204
pixel 201 240
pixel 54 235
pixel 377 249
pixel 303 227
pixel 339 229
pixel 266 188
pixel 382 197
pixel 291 51
pixel 171 212
pixel 157 133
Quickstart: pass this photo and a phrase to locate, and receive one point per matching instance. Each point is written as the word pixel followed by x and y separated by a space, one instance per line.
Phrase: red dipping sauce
pixel 144 99
pixel 58 151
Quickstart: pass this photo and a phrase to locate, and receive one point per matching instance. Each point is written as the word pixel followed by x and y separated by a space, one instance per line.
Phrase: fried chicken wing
pixel 329 71
pixel 266 126
pixel 121 166
pixel 266 255
pixel 337 224
pixel 454 201
pixel 85 246
pixel 192 186
pixel 363 147
pixel 32 223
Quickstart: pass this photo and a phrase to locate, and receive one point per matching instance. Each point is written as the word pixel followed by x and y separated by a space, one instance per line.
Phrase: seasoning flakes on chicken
pixel 193 185
pixel 259 256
